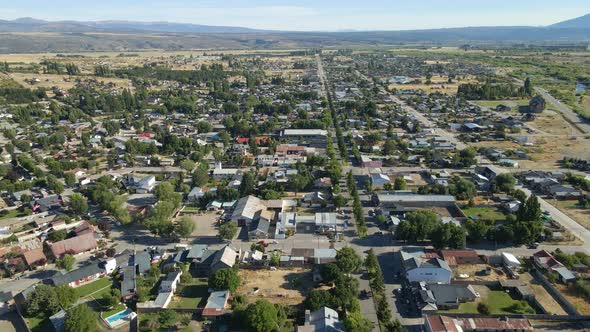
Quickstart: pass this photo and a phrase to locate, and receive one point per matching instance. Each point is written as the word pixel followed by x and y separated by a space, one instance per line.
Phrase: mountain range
pixel 25 35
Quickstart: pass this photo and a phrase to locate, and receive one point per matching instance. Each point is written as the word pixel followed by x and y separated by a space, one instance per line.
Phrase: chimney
pixel 307 317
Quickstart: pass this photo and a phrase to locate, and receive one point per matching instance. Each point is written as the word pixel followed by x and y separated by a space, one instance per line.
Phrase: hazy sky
pixel 308 14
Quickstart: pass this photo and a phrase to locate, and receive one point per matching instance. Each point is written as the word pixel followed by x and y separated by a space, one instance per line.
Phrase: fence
pixel 565 304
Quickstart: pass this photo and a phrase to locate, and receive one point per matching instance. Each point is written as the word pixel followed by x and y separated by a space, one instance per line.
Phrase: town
pixel 309 189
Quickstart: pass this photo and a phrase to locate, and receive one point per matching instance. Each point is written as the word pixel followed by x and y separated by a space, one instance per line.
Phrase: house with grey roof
pixel 420 268
pixel 217 304
pixel 323 320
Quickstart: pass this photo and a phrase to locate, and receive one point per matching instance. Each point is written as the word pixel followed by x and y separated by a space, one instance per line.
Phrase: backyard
pixel 484 212
pixel 191 295
pixel 498 302
pixel 281 286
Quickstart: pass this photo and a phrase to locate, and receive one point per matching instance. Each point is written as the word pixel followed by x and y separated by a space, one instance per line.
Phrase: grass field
pixel 12 214
pixel 145 318
pixel 118 308
pixel 93 286
pixel 574 211
pixel 191 295
pixel 485 212
pixel 498 302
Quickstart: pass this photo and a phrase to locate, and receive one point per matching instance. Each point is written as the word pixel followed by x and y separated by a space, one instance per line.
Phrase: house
pixel 128 287
pixel 421 268
pixel 247 210
pixel 171 282
pixel 306 137
pixel 34 258
pixel 223 259
pixel 78 277
pixel 412 200
pixel 440 323
pixel 367 162
pixel 196 252
pixel 544 260
pixel 322 320
pixel 216 304
pixel 142 262
pixel 46 204
pixel 74 245
pixel 195 194
pixel 145 185
pixel 58 321
pixel 260 231
pixel 510 261
pixel 380 180
pixel 451 296
pixel 325 222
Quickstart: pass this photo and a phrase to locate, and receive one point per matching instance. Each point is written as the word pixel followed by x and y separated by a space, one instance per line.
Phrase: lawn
pixel 12 214
pixel 118 308
pixel 39 323
pixel 145 317
pixel 484 212
pixel 94 286
pixel 499 302
pixel 191 295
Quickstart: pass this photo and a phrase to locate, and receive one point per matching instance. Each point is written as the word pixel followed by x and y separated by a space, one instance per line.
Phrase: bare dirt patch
pixel 575 299
pixel 281 286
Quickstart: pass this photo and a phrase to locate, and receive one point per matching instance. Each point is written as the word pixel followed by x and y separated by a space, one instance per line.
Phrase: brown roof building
pixel 461 257
pixel 438 323
pixel 75 245
pixel 34 257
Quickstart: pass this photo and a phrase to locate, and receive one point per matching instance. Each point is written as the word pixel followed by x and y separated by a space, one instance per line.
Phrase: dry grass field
pixel 438 84
pixel 281 286
pixel 65 81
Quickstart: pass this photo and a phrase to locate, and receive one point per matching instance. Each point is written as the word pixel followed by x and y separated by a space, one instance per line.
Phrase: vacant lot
pixel 64 81
pixel 574 298
pixel 475 272
pixel 281 286
pixel 574 211
pixel 541 294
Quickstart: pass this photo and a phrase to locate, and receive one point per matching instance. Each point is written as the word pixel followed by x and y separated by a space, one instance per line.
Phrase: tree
pixel 330 272
pixel 467 156
pixel 111 298
pixel 261 316
pixel 79 204
pixel 80 319
pixel 530 210
pixel 355 322
pixel 66 263
pixel 200 177
pixel 70 179
pixel 340 201
pixel 185 227
pixel 43 300
pixel 448 236
pixel 225 279
pixel 164 192
pixel 528 87
pixel 228 230
pixel 57 236
pixel 348 260
pixel 187 165
pixel 477 230
pixel 505 182
pixel 483 308
pixel 167 317
pixel 346 291
pixel 66 295
pixel 248 184
pixel 417 226
pixel 399 183
pixel 519 195
pixel 319 298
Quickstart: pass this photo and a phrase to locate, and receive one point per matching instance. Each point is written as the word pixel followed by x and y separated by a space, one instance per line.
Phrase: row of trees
pixel 357 207
pixel 424 225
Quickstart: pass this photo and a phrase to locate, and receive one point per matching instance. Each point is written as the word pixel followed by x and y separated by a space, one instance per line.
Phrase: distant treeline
pixel 205 74
pixel 21 95
pixel 488 91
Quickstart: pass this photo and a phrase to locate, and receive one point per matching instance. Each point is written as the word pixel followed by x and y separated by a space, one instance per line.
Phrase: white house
pixel 431 271
pixel 510 261
pixel 195 194
pixel 379 180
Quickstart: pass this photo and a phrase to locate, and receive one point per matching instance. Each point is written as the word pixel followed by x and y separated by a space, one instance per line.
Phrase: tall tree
pixel 80 319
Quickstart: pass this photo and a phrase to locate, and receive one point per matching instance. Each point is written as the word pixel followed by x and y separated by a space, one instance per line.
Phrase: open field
pixel 575 299
pixel 438 84
pixel 64 81
pixel 492 104
pixel 542 295
pixel 281 286
pixel 571 208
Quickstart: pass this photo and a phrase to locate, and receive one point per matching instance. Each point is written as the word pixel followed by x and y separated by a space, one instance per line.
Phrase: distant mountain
pixel 582 22
pixel 28 24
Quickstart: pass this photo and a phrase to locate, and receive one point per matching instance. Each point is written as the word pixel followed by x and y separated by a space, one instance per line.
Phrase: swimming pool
pixel 119 315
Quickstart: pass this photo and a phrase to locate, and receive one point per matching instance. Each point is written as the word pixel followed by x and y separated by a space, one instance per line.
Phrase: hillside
pixel 582 22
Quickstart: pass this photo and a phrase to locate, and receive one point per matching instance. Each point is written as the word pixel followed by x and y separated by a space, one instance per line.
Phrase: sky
pixel 308 15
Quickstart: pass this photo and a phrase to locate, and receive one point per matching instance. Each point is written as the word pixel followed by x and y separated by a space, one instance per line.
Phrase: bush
pixel 483 308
